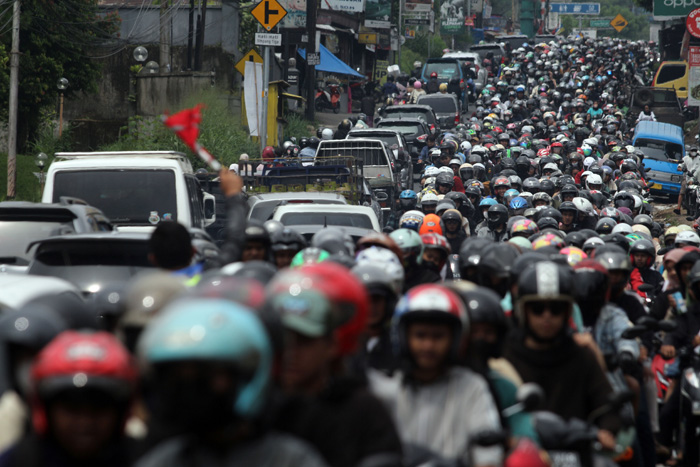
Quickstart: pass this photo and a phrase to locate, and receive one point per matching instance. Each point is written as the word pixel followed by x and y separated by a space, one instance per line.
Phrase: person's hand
pixel 607 440
pixel 696 341
pixel 231 184
pixel 668 351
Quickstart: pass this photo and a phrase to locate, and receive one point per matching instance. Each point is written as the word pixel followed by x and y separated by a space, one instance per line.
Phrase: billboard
pixel 296 14
pixel 694 76
pixel 665 10
pixel 347 6
pixel 378 14
pixel 452 14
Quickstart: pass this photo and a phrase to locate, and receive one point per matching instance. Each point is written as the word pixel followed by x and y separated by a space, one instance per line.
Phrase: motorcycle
pixel 328 98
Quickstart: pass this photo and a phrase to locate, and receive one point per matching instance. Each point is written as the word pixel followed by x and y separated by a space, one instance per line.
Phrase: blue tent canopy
pixel 331 64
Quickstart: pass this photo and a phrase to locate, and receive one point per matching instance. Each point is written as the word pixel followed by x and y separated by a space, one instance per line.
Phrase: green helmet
pixel 309 256
pixel 410 243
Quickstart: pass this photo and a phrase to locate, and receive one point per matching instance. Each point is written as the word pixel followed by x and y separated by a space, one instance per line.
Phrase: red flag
pixel 185 124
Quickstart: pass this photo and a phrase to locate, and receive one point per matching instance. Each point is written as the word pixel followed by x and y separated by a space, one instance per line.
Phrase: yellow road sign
pixel 269 13
pixel 619 23
pixel 251 56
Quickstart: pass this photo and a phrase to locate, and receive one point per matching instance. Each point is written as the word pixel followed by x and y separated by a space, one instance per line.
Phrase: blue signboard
pixel 575 8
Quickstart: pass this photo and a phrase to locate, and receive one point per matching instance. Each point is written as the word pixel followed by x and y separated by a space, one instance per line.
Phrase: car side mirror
pixel 209 209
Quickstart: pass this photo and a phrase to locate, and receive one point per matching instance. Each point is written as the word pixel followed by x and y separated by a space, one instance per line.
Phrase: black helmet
pixel 547 222
pixel 644 246
pixel 532 185
pixel 547 186
pixel 256 232
pixel 345 125
pixel 569 190
pixel 605 226
pixel 334 240
pixel 261 271
pixel 645 220
pixel 470 254
pixel 288 239
pixel 568 206
pixel 495 266
pixel 496 215
pixel 624 199
pixel 613 258
pixel 576 239
pixel 549 212
pixel 466 173
pixel 451 215
pixel 591 282
pixel 544 281
pixel 445 179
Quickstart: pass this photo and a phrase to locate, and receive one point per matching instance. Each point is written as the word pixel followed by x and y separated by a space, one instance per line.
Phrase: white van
pixel 134 189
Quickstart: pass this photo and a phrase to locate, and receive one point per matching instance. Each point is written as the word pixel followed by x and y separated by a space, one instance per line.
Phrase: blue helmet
pixel 511 192
pixel 408 194
pixel 213 330
pixel 520 88
pixel 488 202
pixel 518 203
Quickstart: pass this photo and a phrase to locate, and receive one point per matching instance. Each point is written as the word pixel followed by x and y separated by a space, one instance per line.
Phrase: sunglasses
pixel 555 307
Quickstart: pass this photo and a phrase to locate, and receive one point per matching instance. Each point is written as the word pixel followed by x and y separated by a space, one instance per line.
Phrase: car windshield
pixel 327 218
pixel 390 140
pixel 484 51
pixel 410 114
pixel 659 150
pixel 439 104
pixel 444 70
pixel 127 197
pixel 17 235
pixel 407 129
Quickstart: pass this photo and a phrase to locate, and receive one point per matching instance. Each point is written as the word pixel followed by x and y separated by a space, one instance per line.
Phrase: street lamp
pixel 40 161
pixel 62 85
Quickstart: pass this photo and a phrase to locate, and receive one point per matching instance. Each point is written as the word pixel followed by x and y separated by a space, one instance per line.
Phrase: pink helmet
pixel 417 85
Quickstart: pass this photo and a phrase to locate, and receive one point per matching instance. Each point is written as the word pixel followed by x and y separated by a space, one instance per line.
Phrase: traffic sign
pixel 269 13
pixel 692 23
pixel 600 23
pixel 619 23
pixel 267 39
pixel 313 59
pixel 251 56
pixel 575 8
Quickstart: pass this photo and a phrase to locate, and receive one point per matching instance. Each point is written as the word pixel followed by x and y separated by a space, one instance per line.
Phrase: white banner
pixel 252 92
pixel 348 6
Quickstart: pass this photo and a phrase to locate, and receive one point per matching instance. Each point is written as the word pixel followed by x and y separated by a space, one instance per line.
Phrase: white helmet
pixel 432 171
pixel 479 150
pixel 583 205
pixel 429 197
pixel 588 162
pixel 429 181
pixel 466 146
pixel 446 170
pixel 687 237
pixel 594 241
pixel 327 134
pixel 592 142
pixel 594 179
pixel 377 255
pixel 622 228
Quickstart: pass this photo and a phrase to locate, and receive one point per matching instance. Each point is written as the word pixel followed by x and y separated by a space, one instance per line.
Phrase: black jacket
pixel 345 423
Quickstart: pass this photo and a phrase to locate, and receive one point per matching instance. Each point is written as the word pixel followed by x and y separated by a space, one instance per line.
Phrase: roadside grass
pixel 27 185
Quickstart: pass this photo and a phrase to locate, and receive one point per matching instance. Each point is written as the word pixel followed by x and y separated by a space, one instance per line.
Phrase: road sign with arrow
pixel 269 13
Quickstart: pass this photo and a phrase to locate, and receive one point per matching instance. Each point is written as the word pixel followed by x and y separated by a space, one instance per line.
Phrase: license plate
pixel 656 186
pixel 564 459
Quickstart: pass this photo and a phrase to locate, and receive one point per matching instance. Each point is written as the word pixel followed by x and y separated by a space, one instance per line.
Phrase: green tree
pixel 58 38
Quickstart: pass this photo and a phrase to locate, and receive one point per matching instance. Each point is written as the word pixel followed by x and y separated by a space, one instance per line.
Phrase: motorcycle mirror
pixel 489 438
pixel 634 332
pixel 667 326
pixel 530 395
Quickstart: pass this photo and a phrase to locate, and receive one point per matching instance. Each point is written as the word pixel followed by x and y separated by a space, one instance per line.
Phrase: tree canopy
pixel 58 39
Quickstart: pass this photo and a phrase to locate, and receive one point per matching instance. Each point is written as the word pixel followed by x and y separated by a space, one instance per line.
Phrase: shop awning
pixel 331 64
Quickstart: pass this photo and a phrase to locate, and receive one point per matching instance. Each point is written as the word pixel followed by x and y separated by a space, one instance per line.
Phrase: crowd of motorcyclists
pixel 528 255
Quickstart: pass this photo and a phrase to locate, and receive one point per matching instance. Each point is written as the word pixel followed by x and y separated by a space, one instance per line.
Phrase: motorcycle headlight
pixel 692 378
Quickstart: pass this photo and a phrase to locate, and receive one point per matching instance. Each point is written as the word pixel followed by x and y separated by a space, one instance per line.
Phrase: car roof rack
pixel 160 154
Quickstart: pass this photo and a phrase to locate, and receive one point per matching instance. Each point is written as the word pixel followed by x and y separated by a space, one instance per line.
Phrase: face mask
pixel 432 266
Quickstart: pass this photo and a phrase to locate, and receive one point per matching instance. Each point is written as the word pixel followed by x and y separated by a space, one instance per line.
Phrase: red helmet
pixel 430 303
pixel 342 289
pixel 543 152
pixel 433 74
pixel 436 242
pixel 75 361
pixel 268 154
pixel 501 181
pixel 556 144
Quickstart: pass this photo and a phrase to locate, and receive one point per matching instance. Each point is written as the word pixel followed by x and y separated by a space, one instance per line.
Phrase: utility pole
pixel 14 90
pixel 199 48
pixel 190 36
pixel 401 32
pixel 310 76
pixel 165 25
